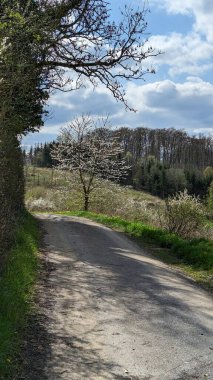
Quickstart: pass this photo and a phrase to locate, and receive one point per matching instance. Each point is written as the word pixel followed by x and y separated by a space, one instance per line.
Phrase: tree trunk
pixel 11 185
pixel 86 202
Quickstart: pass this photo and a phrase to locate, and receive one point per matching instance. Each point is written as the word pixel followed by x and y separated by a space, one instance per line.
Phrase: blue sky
pixel 179 95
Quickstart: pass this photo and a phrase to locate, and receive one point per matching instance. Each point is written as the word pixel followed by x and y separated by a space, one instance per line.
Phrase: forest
pixel 161 161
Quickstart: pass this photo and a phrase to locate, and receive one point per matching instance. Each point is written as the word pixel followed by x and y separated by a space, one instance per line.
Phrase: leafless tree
pixel 88 147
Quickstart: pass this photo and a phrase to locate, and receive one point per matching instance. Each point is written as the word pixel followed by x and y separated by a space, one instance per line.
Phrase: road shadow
pixel 36 361
pixel 36 345
pixel 102 274
pixel 128 276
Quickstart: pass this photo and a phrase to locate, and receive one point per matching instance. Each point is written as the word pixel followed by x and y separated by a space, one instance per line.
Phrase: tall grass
pixel 16 289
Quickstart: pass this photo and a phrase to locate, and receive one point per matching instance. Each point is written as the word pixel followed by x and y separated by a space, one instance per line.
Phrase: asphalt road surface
pixel 117 313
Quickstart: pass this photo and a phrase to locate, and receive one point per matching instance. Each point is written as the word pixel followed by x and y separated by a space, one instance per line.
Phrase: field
pixel 51 190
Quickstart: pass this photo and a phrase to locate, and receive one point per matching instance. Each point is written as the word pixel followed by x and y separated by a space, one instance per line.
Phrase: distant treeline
pixel 169 146
pixel 39 155
pixel 165 161
pixel 162 161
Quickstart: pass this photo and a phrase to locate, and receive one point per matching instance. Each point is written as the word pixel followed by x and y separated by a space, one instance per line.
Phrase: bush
pixel 40 204
pixel 184 215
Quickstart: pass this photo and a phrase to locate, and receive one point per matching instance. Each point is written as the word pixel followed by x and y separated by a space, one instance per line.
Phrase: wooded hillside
pixel 162 161
pixel 169 146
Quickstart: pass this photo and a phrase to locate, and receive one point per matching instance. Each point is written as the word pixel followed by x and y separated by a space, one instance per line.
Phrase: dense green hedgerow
pixel 16 288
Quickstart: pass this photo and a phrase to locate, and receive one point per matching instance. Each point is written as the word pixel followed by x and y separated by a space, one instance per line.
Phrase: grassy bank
pixel 52 190
pixel 16 290
pixel 194 257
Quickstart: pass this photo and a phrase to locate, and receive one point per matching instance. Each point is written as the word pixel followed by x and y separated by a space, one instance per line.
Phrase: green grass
pixel 209 223
pixel 194 257
pixel 16 291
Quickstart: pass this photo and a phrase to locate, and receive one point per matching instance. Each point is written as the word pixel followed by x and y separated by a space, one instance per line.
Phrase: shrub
pixel 40 204
pixel 184 215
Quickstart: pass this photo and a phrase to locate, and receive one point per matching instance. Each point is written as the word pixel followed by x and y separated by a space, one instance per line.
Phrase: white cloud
pixel 85 100
pixel 162 104
pixel 184 54
pixel 205 131
pixel 166 103
pixel 159 105
pixel 52 129
pixel 57 100
pixel 202 10
pixel 190 54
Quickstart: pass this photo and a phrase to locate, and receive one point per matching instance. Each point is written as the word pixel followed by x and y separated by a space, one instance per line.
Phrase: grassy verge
pixel 194 257
pixel 16 290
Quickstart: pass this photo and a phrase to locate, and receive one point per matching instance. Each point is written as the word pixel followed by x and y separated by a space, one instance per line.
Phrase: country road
pixel 114 312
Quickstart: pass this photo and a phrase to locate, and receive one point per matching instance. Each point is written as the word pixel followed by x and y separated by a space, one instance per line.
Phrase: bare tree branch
pixel 83 38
